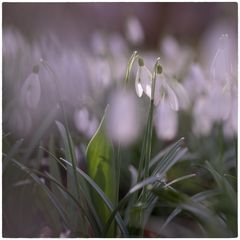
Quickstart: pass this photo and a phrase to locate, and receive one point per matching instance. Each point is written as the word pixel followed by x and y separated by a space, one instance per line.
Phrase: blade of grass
pixel 14 150
pixel 102 169
pixel 136 188
pixel 103 196
pixel 54 200
pixel 167 150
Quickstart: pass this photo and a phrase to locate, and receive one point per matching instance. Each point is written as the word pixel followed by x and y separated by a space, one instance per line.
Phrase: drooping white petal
pixel 202 123
pixel 123 123
pixel 93 125
pixel 157 97
pixel 165 121
pixel 219 103
pixel 158 90
pixel 146 80
pixel 220 67
pixel 181 94
pixel 138 86
pixel 31 91
pixel 195 81
pixel 81 119
pixel 172 98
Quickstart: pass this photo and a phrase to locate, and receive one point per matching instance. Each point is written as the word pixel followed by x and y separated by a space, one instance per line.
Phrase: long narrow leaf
pixel 101 168
pixel 104 198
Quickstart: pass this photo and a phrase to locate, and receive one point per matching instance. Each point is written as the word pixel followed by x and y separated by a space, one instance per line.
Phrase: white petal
pixel 146 80
pixel 172 98
pixel 157 98
pixel 182 94
pixel 134 31
pixel 157 92
pixel 81 120
pixel 123 123
pixel 166 122
pixel 202 123
pixel 138 86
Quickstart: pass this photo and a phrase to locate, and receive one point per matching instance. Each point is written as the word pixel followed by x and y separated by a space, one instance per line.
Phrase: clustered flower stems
pixel 147 148
pixel 136 220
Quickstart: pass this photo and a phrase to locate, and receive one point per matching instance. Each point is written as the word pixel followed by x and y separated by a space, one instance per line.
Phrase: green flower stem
pixel 129 67
pixel 147 155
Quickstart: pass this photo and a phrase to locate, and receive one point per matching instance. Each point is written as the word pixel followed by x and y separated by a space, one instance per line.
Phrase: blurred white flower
pixel 143 80
pixel 134 31
pixel 181 93
pixel 123 120
pixel 220 54
pixel 213 94
pixel 230 128
pixel 219 103
pixel 101 76
pixel 84 123
pixel 221 66
pixel 174 56
pixel 166 122
pixel 202 121
pixel 81 119
pixel 31 89
pixel 19 121
pixel 165 93
pixel 195 82
pixel 118 59
pixel 92 127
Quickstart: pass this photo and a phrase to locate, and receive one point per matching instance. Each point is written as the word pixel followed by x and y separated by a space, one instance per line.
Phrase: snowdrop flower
pixel 195 81
pixel 103 72
pixel 123 123
pixel 202 117
pixel 219 103
pixel 230 128
pixel 166 122
pixel 181 93
pixel 92 127
pixel 221 66
pixel 165 93
pixel 84 123
pixel 81 119
pixel 19 121
pixel 171 52
pixel 134 31
pixel 31 89
pixel 143 81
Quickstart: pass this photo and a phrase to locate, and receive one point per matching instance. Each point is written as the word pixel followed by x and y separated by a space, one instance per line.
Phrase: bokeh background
pixel 88 46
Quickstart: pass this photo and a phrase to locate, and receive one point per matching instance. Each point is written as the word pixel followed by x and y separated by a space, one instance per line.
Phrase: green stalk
pixel 129 66
pixel 147 155
pixel 118 169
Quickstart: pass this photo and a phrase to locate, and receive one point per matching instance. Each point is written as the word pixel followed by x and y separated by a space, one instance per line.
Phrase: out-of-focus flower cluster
pixel 201 81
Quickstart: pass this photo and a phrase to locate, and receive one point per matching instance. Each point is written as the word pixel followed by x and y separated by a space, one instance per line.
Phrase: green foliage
pixel 101 169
